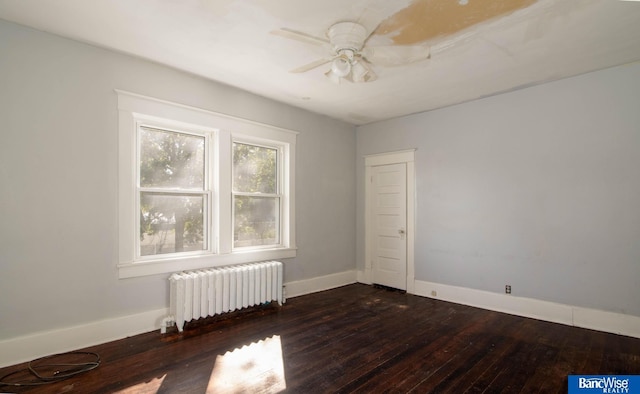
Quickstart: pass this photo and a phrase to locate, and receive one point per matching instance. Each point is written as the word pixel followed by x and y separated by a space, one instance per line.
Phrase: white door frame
pixel 379 159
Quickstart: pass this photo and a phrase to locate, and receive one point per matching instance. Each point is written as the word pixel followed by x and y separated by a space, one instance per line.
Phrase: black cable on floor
pixel 36 367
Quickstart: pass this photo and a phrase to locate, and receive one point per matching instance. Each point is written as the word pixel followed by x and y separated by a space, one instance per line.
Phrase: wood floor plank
pixel 491 353
pixel 356 338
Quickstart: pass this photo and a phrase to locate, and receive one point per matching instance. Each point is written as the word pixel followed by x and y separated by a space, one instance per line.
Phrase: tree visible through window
pixel 173 200
pixel 256 196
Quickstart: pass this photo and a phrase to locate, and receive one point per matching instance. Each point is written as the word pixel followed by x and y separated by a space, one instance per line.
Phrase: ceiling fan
pixel 351 59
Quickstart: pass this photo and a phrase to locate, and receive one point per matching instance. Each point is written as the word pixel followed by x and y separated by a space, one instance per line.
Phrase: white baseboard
pixel 25 348
pixel 594 319
pixel 313 285
pixel 29 347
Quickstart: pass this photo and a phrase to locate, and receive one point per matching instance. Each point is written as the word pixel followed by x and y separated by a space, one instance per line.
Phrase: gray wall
pixel 58 180
pixel 538 188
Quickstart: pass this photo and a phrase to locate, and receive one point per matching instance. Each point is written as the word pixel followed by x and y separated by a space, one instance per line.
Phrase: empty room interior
pixel 463 174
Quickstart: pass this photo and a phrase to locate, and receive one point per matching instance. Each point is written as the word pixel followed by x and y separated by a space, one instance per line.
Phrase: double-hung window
pixel 256 196
pixel 173 194
pixel 199 189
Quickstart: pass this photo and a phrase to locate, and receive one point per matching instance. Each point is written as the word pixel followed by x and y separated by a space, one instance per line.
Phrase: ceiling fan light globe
pixel 359 72
pixel 340 67
pixel 333 77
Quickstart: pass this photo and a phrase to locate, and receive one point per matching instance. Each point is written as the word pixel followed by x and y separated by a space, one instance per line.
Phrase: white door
pixel 389 225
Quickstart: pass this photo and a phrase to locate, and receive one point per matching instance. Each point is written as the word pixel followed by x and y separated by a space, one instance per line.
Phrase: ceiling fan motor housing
pixel 347 36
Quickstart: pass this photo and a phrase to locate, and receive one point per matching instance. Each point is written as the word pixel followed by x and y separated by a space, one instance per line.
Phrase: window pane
pixel 169 159
pixel 254 169
pixel 256 221
pixel 171 223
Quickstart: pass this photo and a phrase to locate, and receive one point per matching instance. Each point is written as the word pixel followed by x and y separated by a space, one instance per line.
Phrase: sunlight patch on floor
pixel 150 387
pixel 254 368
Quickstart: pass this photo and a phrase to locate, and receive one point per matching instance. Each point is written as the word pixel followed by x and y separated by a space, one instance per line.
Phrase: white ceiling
pixel 230 41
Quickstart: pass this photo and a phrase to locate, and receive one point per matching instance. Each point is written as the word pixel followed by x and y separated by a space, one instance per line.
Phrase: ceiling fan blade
pixel 300 36
pixel 395 55
pixel 311 65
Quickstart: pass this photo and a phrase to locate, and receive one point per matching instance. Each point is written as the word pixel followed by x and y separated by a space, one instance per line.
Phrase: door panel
pixel 389 219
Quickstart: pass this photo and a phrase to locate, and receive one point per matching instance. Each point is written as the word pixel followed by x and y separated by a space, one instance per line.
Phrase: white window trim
pixel 134 108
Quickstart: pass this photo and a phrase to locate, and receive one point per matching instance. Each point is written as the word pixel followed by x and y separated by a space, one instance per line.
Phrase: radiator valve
pixel 166 322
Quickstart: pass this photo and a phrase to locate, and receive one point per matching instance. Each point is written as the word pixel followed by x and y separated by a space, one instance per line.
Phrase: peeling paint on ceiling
pixel 426 20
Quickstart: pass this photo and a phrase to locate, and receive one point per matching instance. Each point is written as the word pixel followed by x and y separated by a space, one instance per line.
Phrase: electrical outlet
pixel 434 293
pixel 507 289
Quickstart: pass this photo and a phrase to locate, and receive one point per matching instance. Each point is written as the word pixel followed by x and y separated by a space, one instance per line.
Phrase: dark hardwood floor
pixel 355 338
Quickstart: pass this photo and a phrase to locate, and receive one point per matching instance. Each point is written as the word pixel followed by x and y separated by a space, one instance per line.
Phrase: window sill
pixel 165 266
